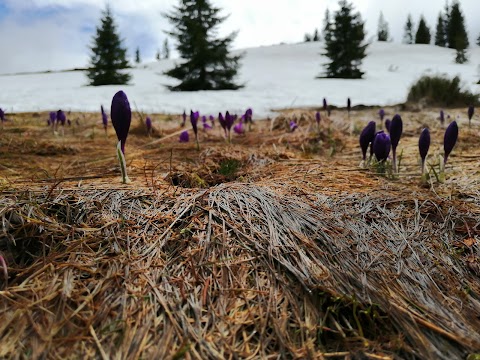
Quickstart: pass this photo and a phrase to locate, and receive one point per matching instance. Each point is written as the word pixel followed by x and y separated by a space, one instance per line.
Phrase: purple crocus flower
pixel 396 129
pixel 293 125
pixel 61 118
pixel 423 146
pixel 471 111
pixel 184 136
pixel 387 124
pixel 349 105
pixel 366 138
pixel 52 117
pixel 381 146
pixel 148 124
pixel 121 115
pixel 184 118
pixel 194 121
pixel 450 139
pixel 318 117
pixel 2 115
pixel 324 104
pixel 104 118
pixel 221 120
pixel 239 128
pixel 381 114
pixel 229 120
pixel 442 117
pixel 212 120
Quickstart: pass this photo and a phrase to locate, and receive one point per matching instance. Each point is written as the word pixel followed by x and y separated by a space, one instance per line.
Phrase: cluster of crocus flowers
pixel 423 147
pixel 104 119
pixel 470 112
pixel 367 136
pixel 396 129
pixel 121 115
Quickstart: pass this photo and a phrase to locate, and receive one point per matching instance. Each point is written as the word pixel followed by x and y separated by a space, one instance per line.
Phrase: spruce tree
pixel 158 56
pixel 456 34
pixel 307 37
pixel 316 35
pixel 382 32
pixel 327 24
pixel 423 33
pixel 478 40
pixel 344 44
pixel 137 56
pixel 108 55
pixel 207 63
pixel 166 49
pixel 440 34
pixel 408 35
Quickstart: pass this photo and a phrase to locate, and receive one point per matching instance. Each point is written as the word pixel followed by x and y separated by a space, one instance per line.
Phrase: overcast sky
pixel 55 34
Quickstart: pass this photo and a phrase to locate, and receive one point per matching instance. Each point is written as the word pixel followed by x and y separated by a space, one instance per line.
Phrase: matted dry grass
pixel 295 254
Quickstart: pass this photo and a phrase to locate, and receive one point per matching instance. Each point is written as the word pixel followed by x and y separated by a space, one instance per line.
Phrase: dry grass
pixel 292 254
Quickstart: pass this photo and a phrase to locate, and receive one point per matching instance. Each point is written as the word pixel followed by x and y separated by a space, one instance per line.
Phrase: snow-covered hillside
pixel 275 77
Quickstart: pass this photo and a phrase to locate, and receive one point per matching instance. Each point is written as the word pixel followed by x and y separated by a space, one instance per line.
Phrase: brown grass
pixel 297 253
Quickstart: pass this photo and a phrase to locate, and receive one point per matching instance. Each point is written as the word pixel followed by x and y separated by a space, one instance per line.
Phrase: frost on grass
pixel 237 270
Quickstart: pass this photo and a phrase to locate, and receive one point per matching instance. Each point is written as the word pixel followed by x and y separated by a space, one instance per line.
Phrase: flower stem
pixel 123 164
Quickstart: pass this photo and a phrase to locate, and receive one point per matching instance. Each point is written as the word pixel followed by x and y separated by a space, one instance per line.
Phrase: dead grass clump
pixel 237 271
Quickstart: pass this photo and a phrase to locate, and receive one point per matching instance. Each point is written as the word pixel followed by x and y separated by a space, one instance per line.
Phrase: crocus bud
pixel 293 125
pixel 193 121
pixel 318 117
pixel 148 124
pixel 442 117
pixel 471 111
pixel 239 128
pixel 61 118
pixel 229 120
pixel 204 119
pixel 184 118
pixel 221 120
pixel 366 137
pixel 396 129
pixel 2 115
pixel 121 117
pixel 212 119
pixel 381 146
pixel 184 136
pixel 387 124
pixel 424 143
pixel 104 117
pixel 381 114
pixel 324 104
pixel 53 117
pixel 349 105
pixel 450 139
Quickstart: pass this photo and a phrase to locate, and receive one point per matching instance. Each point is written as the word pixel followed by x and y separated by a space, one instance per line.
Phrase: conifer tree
pixel 166 49
pixel 206 61
pixel 108 54
pixel 327 23
pixel 456 34
pixel 423 32
pixel 440 34
pixel 137 56
pixel 344 43
pixel 478 40
pixel 382 32
pixel 408 35
pixel 316 35
pixel 307 37
pixel 158 56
